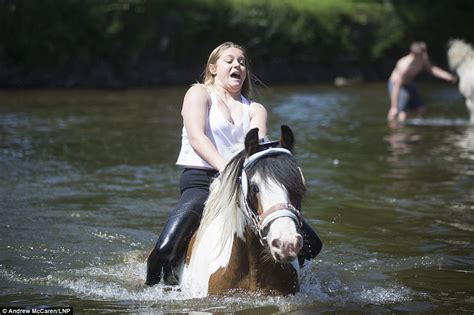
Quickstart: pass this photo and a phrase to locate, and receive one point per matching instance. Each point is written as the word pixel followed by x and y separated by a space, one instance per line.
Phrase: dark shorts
pixel 409 98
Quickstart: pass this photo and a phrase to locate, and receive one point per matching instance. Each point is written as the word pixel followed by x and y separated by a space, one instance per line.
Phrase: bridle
pixel 260 222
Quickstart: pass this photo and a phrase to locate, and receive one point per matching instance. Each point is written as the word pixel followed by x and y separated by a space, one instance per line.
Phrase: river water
pixel 87 179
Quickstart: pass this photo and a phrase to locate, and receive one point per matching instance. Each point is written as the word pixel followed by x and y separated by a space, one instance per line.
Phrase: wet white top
pixel 223 134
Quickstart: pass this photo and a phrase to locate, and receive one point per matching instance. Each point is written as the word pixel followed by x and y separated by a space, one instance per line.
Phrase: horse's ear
pixel 287 139
pixel 251 141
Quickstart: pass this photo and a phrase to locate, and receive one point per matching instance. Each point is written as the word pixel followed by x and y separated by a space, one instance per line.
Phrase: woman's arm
pixel 195 114
pixel 258 119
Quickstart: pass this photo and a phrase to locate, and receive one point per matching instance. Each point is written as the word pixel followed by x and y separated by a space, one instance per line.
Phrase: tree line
pixel 129 43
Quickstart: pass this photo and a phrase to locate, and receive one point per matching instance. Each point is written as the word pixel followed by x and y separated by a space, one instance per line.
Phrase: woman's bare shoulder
pixel 255 106
pixel 197 96
pixel 198 89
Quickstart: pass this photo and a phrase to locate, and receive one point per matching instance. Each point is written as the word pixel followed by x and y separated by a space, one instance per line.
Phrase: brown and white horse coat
pixel 248 237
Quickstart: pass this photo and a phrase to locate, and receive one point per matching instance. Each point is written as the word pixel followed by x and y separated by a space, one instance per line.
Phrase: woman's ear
pixel 251 141
pixel 287 139
pixel 212 69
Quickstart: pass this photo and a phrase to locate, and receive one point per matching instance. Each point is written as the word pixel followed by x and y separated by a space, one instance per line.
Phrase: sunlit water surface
pixel 87 179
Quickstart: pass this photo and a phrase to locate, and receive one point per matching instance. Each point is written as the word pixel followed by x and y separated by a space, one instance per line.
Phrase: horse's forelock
pixel 283 169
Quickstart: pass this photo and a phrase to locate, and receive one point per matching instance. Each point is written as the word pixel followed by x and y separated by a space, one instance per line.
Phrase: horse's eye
pixel 254 188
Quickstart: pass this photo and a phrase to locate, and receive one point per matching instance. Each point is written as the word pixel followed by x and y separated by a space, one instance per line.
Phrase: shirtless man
pixel 403 94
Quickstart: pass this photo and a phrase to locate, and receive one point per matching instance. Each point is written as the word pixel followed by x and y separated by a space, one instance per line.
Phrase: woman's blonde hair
pixel 208 77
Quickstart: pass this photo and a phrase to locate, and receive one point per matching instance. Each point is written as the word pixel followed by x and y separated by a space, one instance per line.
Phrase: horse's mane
pixel 222 209
pixel 222 205
pixel 459 52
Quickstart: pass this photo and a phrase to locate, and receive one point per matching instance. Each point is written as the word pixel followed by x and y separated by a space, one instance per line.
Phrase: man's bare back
pixel 409 67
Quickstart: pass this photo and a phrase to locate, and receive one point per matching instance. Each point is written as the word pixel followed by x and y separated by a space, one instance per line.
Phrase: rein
pixel 279 210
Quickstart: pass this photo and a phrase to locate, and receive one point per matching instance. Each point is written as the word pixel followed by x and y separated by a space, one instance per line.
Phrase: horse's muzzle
pixel 286 251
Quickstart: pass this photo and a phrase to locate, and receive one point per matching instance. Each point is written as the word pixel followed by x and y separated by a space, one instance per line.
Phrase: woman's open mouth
pixel 235 75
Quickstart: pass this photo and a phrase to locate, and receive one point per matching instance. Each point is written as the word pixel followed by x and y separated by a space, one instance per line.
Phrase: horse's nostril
pixel 277 257
pixel 276 243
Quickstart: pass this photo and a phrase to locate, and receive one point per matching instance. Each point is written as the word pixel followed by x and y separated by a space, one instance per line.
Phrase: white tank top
pixel 223 134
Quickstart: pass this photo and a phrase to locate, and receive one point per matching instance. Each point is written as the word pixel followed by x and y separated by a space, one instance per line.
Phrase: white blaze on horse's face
pixel 283 238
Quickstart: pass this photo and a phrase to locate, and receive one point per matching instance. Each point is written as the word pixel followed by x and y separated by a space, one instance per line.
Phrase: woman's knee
pixel 192 201
pixel 176 233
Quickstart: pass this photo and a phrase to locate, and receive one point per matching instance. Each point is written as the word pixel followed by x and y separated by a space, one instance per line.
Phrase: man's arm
pixel 392 113
pixel 440 73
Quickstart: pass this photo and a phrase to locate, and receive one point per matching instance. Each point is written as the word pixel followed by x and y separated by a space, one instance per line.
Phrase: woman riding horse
pixel 216 117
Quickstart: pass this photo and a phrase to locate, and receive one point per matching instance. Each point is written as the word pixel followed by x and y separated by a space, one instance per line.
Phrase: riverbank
pixel 139 43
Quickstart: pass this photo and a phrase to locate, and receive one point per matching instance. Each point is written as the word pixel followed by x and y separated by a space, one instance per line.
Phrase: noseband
pixel 260 222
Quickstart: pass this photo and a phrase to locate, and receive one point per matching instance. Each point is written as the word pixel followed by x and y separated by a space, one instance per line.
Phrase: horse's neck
pixel 250 270
pixel 242 269
pixel 265 274
pixel 254 251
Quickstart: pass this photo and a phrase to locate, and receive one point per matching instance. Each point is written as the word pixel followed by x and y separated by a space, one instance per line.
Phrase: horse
pixel 249 238
pixel 461 60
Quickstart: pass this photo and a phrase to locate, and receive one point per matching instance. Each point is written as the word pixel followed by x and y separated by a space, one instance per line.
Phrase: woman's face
pixel 230 70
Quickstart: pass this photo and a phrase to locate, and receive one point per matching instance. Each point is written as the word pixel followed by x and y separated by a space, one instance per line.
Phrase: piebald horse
pixel 249 236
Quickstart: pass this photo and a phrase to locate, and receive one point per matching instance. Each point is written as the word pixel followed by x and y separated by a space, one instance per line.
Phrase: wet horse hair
pixel 225 240
pixel 225 192
pixel 461 60
pixel 281 168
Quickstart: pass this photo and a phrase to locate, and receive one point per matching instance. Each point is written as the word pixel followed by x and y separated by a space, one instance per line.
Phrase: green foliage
pixel 138 42
pixel 435 22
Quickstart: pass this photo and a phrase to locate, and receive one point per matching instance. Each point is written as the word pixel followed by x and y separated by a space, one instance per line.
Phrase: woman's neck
pixel 224 93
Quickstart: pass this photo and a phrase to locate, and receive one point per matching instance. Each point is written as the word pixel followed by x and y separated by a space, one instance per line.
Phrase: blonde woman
pixel 216 116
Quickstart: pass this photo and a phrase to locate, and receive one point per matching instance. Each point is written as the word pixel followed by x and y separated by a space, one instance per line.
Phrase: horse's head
pixel 273 186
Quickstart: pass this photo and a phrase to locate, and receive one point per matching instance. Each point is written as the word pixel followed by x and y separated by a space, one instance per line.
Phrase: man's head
pixel 418 48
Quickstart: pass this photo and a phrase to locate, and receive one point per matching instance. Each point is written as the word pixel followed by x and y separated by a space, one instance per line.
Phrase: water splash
pixel 436 122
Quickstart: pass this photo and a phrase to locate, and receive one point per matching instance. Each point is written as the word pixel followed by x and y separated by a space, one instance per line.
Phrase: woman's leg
pixel 181 224
pixel 312 244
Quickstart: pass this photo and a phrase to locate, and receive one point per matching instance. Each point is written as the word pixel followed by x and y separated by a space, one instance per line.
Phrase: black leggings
pixel 184 219
pixel 312 244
